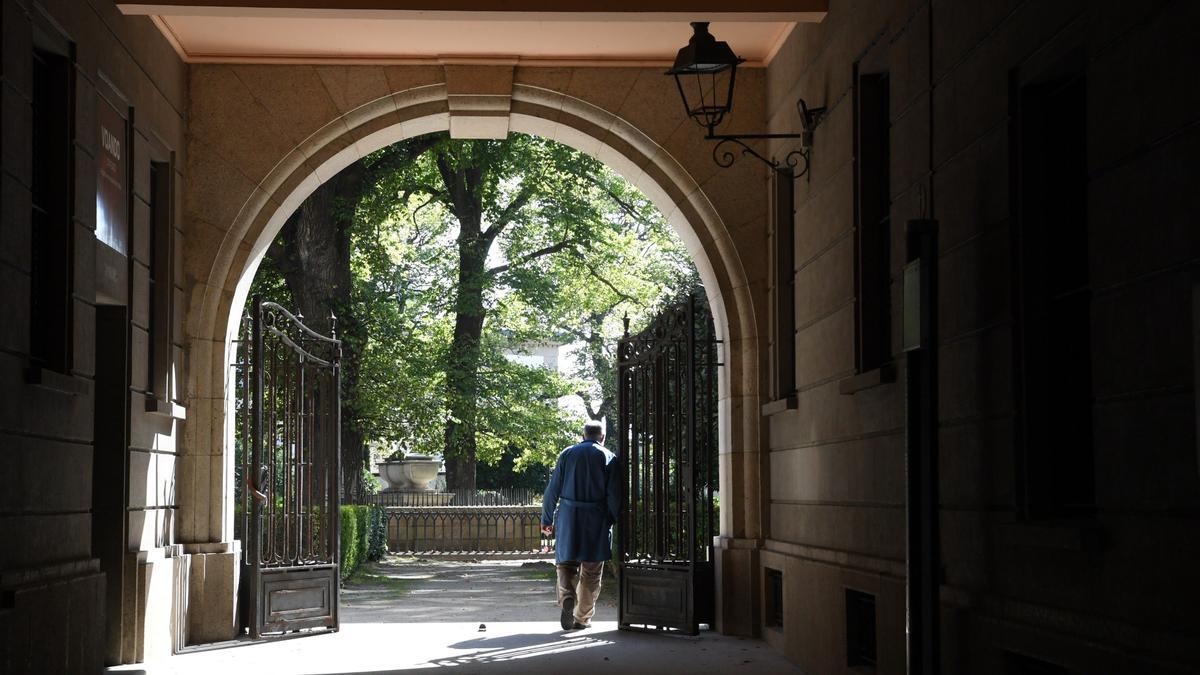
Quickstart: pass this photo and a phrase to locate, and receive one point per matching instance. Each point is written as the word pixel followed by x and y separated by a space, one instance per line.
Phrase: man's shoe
pixel 578 625
pixel 567 618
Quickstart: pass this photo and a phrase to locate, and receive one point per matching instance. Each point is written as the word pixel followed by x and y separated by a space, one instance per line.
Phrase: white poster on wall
pixel 112 198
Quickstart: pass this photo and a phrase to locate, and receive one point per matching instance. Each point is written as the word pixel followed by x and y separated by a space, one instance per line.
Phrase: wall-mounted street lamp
pixel 705 71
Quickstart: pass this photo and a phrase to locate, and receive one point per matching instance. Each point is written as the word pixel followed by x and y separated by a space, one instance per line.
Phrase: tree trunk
pixel 313 254
pixel 462 366
pixel 605 368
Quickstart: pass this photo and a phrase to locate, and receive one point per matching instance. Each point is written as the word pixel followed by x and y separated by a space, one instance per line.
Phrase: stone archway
pixel 221 264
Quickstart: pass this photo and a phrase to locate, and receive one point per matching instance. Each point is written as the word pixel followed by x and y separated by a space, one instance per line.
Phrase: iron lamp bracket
pixel 725 156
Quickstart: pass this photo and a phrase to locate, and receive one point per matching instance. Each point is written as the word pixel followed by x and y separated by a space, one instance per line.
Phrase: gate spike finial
pixel 625 321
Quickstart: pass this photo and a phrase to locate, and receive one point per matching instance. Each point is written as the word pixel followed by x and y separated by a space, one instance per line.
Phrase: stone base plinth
pixel 52 618
pixel 213 592
pixel 737 586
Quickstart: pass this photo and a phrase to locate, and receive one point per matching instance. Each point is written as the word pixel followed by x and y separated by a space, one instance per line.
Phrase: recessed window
pixel 161 280
pixel 774 598
pixel 860 629
pixel 784 335
pixel 1056 465
pixel 50 319
pixel 872 220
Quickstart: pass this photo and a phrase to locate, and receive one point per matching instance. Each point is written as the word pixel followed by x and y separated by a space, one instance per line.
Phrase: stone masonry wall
pixel 1110 593
pixel 824 502
pixel 52 587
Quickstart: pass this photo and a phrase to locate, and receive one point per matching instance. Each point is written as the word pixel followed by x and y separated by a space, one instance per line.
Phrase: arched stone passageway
pixel 1055 530
pixel 247 145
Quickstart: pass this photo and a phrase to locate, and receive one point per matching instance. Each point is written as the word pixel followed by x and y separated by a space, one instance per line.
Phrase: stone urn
pixel 413 473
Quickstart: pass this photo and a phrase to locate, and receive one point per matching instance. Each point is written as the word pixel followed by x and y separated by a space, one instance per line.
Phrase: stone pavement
pixel 406 615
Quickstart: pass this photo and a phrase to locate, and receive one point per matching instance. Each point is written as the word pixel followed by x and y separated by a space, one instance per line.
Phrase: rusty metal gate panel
pixel 667 439
pixel 288 447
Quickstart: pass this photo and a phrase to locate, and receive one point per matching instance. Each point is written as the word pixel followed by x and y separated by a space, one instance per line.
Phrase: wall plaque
pixel 112 201
pixel 112 178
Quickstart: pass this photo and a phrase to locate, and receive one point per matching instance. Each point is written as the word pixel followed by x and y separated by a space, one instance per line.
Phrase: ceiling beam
pixel 544 10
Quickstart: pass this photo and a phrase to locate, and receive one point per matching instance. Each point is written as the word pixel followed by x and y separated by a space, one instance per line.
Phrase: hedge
pixel 363 536
pixel 377 532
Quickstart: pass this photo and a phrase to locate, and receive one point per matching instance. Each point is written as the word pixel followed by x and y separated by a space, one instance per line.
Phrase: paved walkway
pixel 420 615
pixel 407 590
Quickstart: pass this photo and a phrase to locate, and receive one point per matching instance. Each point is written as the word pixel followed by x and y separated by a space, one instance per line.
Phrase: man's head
pixel 593 430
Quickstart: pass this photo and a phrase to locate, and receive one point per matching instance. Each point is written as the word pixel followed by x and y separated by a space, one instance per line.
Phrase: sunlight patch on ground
pixel 431 621
pixel 501 648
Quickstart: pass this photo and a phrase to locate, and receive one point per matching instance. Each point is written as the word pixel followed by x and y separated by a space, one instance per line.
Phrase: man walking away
pixel 585 488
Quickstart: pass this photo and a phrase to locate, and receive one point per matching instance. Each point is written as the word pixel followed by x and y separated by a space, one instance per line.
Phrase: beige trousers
pixel 580 580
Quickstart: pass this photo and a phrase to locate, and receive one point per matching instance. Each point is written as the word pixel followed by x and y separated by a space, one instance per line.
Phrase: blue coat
pixel 585 486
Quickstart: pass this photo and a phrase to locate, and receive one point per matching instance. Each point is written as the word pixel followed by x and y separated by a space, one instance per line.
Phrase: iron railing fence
pixel 507 496
pixel 433 530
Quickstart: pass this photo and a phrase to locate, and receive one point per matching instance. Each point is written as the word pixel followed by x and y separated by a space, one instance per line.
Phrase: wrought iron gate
pixel 288 441
pixel 667 428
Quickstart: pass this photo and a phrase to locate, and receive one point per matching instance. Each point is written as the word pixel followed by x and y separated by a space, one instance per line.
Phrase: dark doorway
pixel 110 464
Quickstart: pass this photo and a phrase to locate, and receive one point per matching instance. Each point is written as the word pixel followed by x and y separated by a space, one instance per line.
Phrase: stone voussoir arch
pixel 216 307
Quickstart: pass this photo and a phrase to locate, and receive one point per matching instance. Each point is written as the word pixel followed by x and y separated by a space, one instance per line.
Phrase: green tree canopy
pixel 462 250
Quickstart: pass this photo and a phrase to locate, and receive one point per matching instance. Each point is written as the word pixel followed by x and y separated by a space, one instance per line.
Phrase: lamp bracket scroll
pixel 725 156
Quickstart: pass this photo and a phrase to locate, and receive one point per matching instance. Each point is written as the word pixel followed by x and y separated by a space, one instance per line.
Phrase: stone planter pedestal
pixel 411 474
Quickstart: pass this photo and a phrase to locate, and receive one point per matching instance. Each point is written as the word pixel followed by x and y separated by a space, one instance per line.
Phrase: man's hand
pixel 548 530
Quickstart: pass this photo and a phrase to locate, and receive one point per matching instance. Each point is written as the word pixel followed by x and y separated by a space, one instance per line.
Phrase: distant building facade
pixel 538 354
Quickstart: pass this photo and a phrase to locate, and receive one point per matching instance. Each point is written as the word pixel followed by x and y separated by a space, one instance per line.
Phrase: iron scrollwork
pixel 724 156
pixel 287 443
pixel 667 439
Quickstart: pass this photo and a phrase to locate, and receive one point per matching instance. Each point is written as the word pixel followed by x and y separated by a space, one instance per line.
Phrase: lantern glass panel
pixel 704 72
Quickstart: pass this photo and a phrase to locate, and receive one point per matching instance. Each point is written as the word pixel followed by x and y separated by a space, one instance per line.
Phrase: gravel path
pixel 416 590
